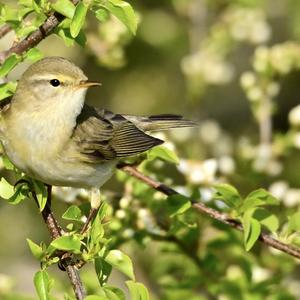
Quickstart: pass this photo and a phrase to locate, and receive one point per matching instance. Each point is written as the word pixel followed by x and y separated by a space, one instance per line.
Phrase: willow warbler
pixel 49 133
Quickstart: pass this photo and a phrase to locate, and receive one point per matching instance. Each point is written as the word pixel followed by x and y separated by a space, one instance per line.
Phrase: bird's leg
pixel 49 218
pixel 95 204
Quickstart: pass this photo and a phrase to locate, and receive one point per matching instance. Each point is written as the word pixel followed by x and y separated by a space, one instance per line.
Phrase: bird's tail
pixel 160 122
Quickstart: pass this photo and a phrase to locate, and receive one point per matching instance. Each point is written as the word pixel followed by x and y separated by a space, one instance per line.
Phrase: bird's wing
pixel 160 122
pixel 102 136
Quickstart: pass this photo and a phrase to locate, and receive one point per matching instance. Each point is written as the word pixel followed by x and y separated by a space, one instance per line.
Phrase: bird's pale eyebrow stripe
pixel 50 76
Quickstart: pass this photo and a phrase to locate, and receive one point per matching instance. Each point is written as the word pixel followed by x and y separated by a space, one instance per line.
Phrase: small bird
pixel 50 134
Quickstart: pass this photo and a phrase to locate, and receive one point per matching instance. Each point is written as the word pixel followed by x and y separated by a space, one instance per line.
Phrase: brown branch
pixel 55 232
pixel 213 213
pixel 92 214
pixel 34 38
pixel 4 30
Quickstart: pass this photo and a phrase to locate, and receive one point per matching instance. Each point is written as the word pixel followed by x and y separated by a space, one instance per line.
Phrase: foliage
pixel 160 245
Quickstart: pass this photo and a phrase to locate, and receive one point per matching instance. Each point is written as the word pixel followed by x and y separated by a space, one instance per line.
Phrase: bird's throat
pixel 45 126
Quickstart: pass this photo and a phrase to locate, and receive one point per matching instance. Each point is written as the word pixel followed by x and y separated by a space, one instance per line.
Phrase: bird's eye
pixel 55 82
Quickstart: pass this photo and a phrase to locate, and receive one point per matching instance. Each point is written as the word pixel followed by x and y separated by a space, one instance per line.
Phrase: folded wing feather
pixel 103 136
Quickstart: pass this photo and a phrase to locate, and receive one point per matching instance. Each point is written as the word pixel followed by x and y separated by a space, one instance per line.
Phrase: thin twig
pixel 92 214
pixel 213 213
pixel 55 232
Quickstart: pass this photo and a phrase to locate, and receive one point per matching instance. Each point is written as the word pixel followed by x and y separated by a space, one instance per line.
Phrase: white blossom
pixel 226 165
pixel 279 189
pixel 294 116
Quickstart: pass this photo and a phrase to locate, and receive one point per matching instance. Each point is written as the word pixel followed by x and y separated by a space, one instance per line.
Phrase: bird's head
pixel 52 80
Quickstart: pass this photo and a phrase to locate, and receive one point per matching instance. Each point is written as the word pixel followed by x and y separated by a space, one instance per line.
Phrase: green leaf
pixel 34 54
pixel 97 230
pixel 9 64
pixel 103 270
pixel 267 219
pixel 20 195
pixel 25 31
pixel 96 297
pixel 35 249
pixel 11 15
pixel 78 19
pixel 42 285
pixel 228 194
pixel 67 242
pixel 81 39
pixel 8 192
pixel 121 262
pixel 7 89
pixel 41 193
pixel 163 153
pixel 294 223
pixel 124 12
pixel 39 6
pixel 102 211
pixel 252 230
pixel 137 290
pixel 73 213
pixel 7 163
pixel 26 3
pixel 6 189
pixel 63 30
pixel 64 7
pixel 114 293
pixel 102 14
pixel 177 204
pixel 256 198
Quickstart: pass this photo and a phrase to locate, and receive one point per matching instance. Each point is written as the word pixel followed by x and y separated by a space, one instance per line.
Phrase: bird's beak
pixel 87 84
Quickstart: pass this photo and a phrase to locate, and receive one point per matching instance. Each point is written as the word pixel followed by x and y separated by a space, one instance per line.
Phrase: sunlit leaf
pixel 78 19
pixel 96 297
pixel 177 204
pixel 121 262
pixel 252 230
pixel 97 230
pixel 124 12
pixel 103 270
pixel 256 198
pixel 163 153
pixel 20 194
pixel 114 293
pixel 25 31
pixel 9 64
pixel 35 249
pixel 7 89
pixel 6 189
pixel 68 243
pixel 34 54
pixel 137 290
pixel 64 7
pixel 228 194
pixel 73 213
pixel 41 194
pixel 7 163
pixel 267 219
pixel 42 285
pixel 293 223
pixel 102 14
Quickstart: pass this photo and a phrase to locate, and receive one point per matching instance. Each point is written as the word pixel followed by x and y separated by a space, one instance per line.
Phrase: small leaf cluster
pixel 250 211
pixel 80 248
